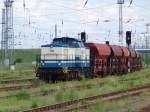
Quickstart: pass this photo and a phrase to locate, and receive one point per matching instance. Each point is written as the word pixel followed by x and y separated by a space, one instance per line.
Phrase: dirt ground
pixel 145 109
pixel 140 105
pixel 143 106
pixel 136 104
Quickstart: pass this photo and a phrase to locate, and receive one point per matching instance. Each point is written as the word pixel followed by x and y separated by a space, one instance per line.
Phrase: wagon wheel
pixel 78 75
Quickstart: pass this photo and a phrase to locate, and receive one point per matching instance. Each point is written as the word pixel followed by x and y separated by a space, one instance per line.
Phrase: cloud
pixel 44 14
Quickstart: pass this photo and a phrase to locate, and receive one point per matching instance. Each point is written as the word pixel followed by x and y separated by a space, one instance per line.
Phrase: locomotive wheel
pixel 46 78
pixel 67 77
pixel 78 75
pixel 101 74
pixel 40 77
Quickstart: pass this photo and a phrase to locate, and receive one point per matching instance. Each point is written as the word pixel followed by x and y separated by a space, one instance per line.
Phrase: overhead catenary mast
pixel 8 33
pixel 120 3
pixel 3 41
pixel 55 30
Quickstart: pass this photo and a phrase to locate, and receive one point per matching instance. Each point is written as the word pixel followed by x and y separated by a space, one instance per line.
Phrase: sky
pixel 34 20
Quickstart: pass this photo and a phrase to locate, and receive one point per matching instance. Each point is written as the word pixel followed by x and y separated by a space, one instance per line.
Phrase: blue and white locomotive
pixel 65 58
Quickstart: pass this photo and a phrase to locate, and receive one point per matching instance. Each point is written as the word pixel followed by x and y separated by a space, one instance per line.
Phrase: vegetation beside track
pixel 26 55
pixel 24 58
pixel 146 59
pixel 26 98
pixel 126 104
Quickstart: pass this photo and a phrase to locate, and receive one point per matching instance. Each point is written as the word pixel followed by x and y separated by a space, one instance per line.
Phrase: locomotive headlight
pixel 42 62
pixel 59 63
pixel 65 70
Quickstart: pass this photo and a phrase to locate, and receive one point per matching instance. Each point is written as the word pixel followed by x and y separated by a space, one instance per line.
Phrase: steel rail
pixel 16 80
pixel 17 87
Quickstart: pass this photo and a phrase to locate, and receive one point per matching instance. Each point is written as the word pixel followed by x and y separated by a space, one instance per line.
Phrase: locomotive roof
pixel 66 42
pixel 67 38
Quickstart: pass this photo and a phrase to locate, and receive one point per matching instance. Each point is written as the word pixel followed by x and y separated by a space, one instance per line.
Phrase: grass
pixel 6 74
pixel 103 107
pixel 146 58
pixel 24 58
pixel 25 99
pixel 26 55
pixel 23 95
pixel 34 105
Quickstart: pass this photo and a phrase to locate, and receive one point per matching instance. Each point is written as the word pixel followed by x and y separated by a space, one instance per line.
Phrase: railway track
pixel 53 90
pixel 16 80
pixel 17 75
pixel 89 101
pixel 8 88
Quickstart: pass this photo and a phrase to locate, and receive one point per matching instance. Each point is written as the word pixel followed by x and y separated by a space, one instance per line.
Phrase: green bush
pixel 23 96
pixel 27 55
pixel 71 94
pixel 34 105
pixel 18 60
pixel 59 97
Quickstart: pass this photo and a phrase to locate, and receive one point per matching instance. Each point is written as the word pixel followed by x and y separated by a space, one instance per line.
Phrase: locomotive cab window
pixel 67 42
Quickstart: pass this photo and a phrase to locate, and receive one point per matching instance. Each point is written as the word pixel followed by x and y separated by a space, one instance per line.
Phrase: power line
pixel 85 3
pixel 131 1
